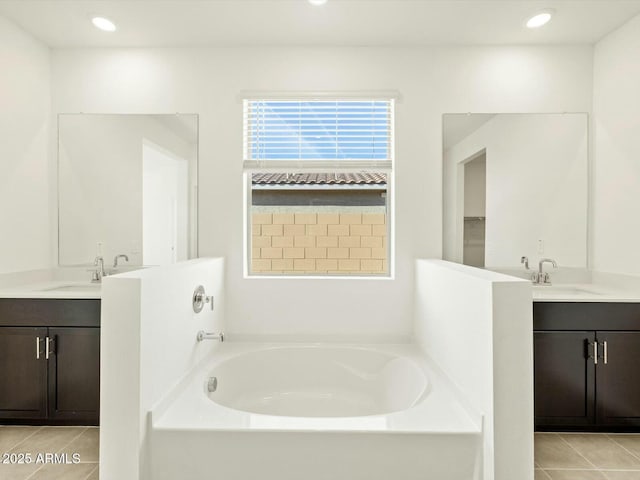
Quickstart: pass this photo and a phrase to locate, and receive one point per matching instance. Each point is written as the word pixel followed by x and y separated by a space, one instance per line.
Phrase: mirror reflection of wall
pixel 128 183
pixel 515 185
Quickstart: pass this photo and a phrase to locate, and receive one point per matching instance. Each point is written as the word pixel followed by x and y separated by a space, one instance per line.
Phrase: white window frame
pixel 387 167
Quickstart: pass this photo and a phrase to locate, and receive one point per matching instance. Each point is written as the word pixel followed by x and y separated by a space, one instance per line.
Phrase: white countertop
pixel 585 292
pixel 54 289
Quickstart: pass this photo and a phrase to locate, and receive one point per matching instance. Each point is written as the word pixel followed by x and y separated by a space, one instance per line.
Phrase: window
pixel 318 175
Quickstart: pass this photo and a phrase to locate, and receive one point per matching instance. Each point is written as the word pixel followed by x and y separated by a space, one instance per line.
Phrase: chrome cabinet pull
pixel 595 353
pixel 37 348
pixel 605 352
pixel 46 347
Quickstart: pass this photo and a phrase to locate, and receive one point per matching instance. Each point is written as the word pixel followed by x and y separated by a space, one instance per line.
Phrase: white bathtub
pixel 314 412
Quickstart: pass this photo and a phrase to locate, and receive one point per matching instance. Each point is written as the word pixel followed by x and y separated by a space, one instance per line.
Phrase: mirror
pixel 127 185
pixel 515 185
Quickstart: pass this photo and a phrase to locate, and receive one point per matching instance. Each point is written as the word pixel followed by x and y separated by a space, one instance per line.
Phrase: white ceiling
pixel 150 23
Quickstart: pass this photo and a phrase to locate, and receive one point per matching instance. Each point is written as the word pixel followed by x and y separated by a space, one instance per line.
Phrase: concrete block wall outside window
pixel 331 240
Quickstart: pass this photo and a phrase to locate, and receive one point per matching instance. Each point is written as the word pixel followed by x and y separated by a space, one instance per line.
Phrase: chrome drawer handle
pixel 37 348
pixel 606 355
pixel 46 348
pixel 595 353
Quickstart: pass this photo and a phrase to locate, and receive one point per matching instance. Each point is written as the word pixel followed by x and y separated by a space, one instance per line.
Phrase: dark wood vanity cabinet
pixel 587 366
pixel 23 376
pixel 49 361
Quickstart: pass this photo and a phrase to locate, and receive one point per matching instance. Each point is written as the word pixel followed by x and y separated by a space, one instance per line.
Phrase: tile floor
pixel 559 456
pixel 573 456
pixel 55 440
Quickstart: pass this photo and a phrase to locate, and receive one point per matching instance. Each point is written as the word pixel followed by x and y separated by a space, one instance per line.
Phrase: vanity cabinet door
pixel 564 377
pixel 618 379
pixel 23 373
pixel 74 375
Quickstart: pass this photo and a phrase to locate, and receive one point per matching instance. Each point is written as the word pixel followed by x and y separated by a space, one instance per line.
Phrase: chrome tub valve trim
pixel 200 298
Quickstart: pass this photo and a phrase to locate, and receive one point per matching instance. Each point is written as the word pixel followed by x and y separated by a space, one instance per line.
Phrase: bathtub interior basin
pixel 317 382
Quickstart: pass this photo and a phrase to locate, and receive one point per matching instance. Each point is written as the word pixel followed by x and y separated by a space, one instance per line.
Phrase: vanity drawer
pixel 586 316
pixel 46 312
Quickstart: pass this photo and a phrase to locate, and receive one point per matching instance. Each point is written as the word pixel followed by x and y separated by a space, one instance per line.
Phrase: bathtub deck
pixel 190 409
pixel 438 439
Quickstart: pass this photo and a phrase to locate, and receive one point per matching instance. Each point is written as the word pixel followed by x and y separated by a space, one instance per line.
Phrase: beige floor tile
pixel 95 474
pixel 78 471
pixel 621 475
pixel 553 452
pixel 49 440
pixel 17 472
pixel 630 442
pixel 575 475
pixel 603 452
pixel 540 475
pixel 12 436
pixel 86 445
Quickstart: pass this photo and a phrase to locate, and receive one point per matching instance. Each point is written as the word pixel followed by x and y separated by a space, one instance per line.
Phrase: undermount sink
pixel 85 287
pixel 564 290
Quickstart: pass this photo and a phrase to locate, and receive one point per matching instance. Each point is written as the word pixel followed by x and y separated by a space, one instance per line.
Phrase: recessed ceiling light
pixel 317 2
pixel 540 19
pixel 104 24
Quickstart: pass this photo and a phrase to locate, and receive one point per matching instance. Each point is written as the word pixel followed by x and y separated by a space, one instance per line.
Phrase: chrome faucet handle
pixel 525 261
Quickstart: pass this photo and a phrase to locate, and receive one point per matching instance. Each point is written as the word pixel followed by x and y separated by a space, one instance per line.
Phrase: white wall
pixel 431 81
pixel 100 165
pixel 616 172
pixel 25 109
pixel 148 345
pixel 491 330
pixel 537 188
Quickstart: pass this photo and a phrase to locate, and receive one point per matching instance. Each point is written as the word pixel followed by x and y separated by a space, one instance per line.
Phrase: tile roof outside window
pixel 346 179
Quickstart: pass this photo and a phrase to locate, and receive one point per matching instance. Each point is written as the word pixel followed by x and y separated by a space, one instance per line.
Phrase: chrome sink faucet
pixel 99 272
pixel 117 257
pixel 540 277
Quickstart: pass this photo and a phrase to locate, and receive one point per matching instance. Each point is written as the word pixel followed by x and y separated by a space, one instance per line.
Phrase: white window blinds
pixel 341 133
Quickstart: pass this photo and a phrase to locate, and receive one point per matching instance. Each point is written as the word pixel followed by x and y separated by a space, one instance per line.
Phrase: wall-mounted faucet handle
pixel 200 298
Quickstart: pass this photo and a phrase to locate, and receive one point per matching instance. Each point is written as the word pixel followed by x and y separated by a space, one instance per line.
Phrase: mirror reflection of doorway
pixel 165 206
pixel 475 195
